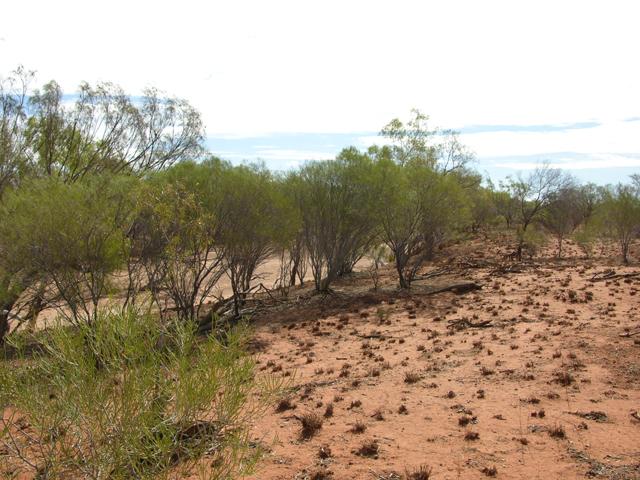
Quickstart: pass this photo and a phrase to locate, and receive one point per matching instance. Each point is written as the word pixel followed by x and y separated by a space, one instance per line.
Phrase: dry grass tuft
pixel 369 448
pixel 423 472
pixel 311 423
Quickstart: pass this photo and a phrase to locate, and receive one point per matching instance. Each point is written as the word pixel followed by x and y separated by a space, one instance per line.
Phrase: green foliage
pixel 67 235
pixel 618 216
pixel 482 208
pixel 243 216
pixel 532 240
pixel 411 141
pixel 531 195
pixel 414 142
pixel 106 131
pixel 336 202
pixel 566 211
pixel 585 237
pixel 257 219
pixel 14 96
pixel 175 243
pixel 506 206
pixel 417 207
pixel 129 397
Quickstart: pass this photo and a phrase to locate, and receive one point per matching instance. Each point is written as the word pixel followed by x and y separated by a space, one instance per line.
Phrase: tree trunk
pixel 5 311
pixel 521 241
pixel 4 325
pixel 404 282
pixel 625 253
pixel 560 247
pixel 323 287
pixel 326 282
pixel 294 274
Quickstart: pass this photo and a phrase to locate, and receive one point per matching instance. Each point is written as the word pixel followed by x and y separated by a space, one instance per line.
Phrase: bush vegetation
pixel 112 204
pixel 129 397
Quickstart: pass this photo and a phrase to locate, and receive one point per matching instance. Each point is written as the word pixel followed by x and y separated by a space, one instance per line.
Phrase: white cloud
pixel 368 140
pixel 293 155
pixel 239 136
pixel 621 137
pixel 255 67
pixel 587 162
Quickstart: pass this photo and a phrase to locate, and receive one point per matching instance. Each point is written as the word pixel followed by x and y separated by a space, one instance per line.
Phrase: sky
pixel 288 81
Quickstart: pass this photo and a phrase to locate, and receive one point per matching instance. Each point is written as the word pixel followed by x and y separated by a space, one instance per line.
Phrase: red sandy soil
pixel 468 402
pixel 552 360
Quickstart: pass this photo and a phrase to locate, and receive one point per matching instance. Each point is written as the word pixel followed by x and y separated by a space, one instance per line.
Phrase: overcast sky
pixel 285 81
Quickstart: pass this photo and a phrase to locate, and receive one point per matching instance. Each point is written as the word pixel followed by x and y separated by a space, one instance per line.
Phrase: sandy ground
pixel 547 390
pixel 267 273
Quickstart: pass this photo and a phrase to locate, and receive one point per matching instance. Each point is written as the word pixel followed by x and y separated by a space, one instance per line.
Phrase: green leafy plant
pixel 128 397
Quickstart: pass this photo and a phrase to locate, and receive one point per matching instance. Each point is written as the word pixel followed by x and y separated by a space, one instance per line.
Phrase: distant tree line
pixel 109 194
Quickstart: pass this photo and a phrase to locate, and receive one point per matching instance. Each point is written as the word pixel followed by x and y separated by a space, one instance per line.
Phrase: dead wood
pixel 612 275
pixel 507 268
pixel 458 288
pixel 629 334
pixel 434 273
pixel 374 335
pixel 462 323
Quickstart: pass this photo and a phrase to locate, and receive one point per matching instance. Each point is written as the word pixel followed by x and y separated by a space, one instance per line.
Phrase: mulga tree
pixel 413 140
pixel 399 212
pixel 619 216
pixel 506 206
pixel 635 179
pixel 360 165
pixel 568 209
pixel 421 175
pixel 176 240
pixel 531 195
pixel 257 220
pixel 293 255
pixel 14 148
pixel 14 101
pixel 103 131
pixel 482 208
pixel 106 130
pixel 446 210
pixel 67 239
pixel 417 207
pixel 335 202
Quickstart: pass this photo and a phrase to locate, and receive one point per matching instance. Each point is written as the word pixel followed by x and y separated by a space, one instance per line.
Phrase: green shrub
pixel 66 239
pixel 618 216
pixel 129 398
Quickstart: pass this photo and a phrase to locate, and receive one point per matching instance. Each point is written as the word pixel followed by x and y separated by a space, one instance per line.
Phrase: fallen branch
pixel 316 384
pixel 474 263
pixel 629 334
pixel 457 288
pixel 435 273
pixel 268 291
pixel 612 275
pixel 378 336
pixel 463 323
pixel 509 268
